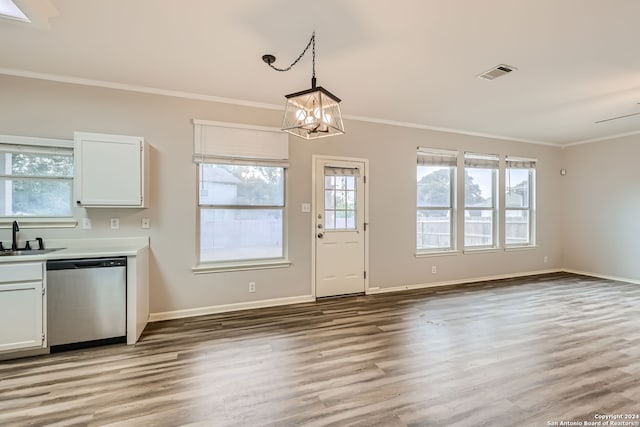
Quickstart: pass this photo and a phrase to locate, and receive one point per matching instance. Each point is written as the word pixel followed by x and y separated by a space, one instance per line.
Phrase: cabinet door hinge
pixel 366 224
pixel 43 289
pixel 43 337
pixel 365 274
pixel 365 179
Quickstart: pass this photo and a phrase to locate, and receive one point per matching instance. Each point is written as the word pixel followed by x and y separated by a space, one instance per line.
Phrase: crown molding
pixel 447 130
pixel 232 101
pixel 602 138
pixel 134 88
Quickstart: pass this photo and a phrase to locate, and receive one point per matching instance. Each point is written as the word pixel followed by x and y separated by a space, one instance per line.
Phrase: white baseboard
pixel 372 291
pixel 602 276
pixel 200 311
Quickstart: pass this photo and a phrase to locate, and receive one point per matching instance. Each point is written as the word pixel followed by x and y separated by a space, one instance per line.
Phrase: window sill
pixel 435 253
pixel 240 266
pixel 6 222
pixel 520 248
pixel 481 251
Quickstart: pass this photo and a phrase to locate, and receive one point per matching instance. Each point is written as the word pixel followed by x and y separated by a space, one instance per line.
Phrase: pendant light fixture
pixel 311 113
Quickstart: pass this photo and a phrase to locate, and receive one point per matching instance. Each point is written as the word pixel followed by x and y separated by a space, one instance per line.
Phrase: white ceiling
pixel 408 61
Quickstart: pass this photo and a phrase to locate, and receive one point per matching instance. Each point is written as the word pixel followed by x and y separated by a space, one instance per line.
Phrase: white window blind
pixel 486 161
pixel 35 149
pixel 520 163
pixel 435 157
pixel 337 171
pixel 235 143
pixel 436 198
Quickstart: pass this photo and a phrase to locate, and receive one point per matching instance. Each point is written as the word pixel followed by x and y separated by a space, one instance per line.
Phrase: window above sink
pixel 36 182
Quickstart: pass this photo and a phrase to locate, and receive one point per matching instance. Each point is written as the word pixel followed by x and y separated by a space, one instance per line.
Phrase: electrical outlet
pixel 434 269
pixel 145 223
pixel 305 207
pixel 252 286
pixel 115 223
pixel 545 259
pixel 86 223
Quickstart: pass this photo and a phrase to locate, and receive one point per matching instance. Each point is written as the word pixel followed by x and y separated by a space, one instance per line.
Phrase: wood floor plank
pixel 515 352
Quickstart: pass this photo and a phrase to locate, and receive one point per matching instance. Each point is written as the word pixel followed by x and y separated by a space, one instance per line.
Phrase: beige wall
pixel 55 110
pixel 601 216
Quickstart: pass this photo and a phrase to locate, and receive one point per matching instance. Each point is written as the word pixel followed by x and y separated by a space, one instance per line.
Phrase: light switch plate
pixel 145 223
pixel 115 223
pixel 86 223
pixel 306 207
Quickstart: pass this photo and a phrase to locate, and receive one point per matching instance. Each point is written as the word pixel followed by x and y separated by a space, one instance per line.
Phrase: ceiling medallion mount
pixel 311 113
pixel 269 59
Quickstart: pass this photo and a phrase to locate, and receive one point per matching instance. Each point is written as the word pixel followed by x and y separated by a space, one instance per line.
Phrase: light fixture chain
pixel 312 113
pixel 312 41
pixel 313 56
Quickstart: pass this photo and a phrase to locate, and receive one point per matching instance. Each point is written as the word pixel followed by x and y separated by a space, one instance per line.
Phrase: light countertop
pixel 85 248
pixel 69 253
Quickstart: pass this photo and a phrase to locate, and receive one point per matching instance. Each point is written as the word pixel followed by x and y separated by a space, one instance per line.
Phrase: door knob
pixel 320 235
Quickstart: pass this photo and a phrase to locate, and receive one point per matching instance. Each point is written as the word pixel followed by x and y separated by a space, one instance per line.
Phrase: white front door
pixel 339 223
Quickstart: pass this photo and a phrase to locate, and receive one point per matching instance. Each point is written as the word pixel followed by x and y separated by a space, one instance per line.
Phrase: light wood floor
pixel 520 352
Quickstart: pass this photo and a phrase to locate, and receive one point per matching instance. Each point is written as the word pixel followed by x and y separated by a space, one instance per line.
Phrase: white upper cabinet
pixel 110 170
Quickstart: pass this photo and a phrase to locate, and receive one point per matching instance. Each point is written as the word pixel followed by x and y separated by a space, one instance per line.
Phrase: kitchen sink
pixel 26 252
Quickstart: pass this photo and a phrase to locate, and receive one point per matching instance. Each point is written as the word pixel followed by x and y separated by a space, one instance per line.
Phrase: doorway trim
pixel 314 214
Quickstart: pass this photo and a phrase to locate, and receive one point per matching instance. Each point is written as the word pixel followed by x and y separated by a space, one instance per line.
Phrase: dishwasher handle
pixel 73 264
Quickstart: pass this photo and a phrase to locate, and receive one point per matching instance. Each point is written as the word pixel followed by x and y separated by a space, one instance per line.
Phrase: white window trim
pixel 221 267
pixel 453 216
pixel 434 253
pixel 531 209
pixel 495 246
pixel 38 222
pixel 275 154
pixel 481 250
pixel 32 140
pixel 516 248
pixel 245 264
pixel 341 172
pixel 31 222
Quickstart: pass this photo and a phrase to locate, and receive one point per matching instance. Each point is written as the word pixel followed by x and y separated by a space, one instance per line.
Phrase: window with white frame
pixel 519 201
pixel 241 193
pixel 436 199
pixel 36 181
pixel 241 212
pixel 340 187
pixel 480 201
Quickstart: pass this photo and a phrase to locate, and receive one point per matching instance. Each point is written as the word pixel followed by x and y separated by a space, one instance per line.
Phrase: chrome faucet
pixel 14 236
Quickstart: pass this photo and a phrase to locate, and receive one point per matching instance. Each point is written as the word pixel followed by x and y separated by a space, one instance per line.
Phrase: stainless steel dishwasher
pixel 86 302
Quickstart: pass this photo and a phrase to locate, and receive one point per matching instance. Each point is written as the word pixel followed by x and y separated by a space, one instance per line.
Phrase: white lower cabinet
pixel 22 306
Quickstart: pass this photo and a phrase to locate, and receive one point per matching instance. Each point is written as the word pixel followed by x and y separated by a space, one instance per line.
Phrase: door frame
pixel 314 214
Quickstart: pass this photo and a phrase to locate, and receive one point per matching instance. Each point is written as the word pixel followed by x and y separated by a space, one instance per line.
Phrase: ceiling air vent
pixel 497 71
